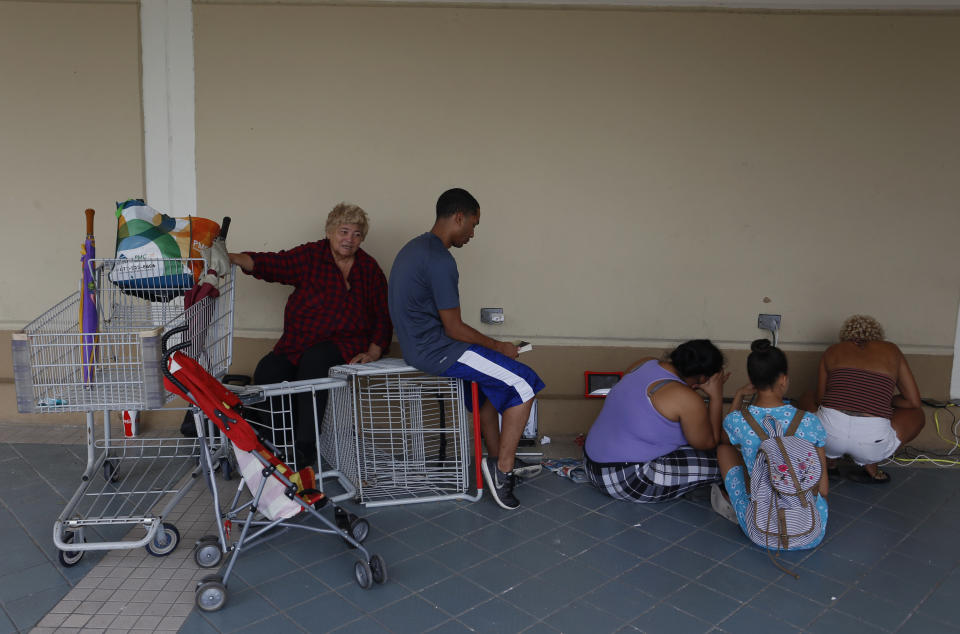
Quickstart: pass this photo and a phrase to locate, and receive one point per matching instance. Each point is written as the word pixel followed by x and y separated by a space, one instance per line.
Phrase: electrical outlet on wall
pixel 768 322
pixel 491 315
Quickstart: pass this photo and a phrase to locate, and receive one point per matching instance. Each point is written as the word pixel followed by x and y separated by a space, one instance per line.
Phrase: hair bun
pixel 760 345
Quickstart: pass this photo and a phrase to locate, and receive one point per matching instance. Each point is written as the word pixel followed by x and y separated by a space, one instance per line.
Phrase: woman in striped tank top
pixel 869 400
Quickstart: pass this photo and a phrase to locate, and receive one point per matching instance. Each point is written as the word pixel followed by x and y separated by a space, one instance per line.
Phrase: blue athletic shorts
pixel 505 382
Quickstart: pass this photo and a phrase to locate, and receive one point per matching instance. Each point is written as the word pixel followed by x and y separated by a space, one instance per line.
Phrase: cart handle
pixel 167 353
pixel 166 337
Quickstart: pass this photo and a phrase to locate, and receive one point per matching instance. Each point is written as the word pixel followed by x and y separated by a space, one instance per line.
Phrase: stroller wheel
pixel 207 552
pixel 69 558
pixel 211 595
pixel 226 469
pixel 165 541
pixel 363 575
pixel 379 568
pixel 359 529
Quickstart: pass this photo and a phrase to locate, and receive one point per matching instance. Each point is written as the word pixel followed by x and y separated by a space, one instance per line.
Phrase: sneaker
pixel 721 504
pixel 499 484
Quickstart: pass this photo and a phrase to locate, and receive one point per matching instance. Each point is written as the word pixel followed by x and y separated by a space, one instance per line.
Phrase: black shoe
pixel 500 484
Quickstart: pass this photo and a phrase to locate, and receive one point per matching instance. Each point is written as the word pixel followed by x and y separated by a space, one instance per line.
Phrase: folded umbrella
pixel 88 303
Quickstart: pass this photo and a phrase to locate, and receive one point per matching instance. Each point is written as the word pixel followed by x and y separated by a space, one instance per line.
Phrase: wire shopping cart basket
pixel 399 435
pixel 270 410
pixel 55 370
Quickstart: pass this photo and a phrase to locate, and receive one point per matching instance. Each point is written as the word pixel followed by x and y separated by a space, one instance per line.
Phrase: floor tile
pixel 869 607
pixel 497 615
pixel 732 582
pixel 455 595
pixel 711 545
pixel 567 541
pixel 788 606
pixel 589 559
pixel 682 561
pixel 329 609
pixel 418 572
pixel 536 556
pixel 919 623
pixel 597 525
pixel 622 602
pixel 666 618
pixel 581 616
pixel 496 575
pixel 638 543
pixel 291 589
pixel 703 603
pixel 834 621
pixel 495 538
pixel 411 615
pixel 654 580
pixel 607 559
pixel 749 620
pixel 817 588
pixel 459 554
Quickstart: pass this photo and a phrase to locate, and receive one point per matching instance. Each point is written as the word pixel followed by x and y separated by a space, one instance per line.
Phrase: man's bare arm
pixel 455 328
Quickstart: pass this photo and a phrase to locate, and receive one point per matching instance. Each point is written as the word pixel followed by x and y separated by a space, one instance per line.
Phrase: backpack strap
pixel 754 425
pixel 795 423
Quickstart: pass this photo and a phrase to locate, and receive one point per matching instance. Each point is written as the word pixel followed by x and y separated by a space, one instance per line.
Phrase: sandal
pixel 861 476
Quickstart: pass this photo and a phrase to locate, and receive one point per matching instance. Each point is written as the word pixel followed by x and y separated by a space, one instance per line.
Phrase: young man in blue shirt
pixel 424 299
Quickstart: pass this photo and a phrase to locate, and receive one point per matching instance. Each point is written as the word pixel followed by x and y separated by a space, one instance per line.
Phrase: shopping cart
pixel 401 436
pixel 270 411
pixel 280 497
pixel 51 375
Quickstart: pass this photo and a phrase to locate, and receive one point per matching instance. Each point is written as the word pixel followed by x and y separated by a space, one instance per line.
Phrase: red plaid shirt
pixel 320 307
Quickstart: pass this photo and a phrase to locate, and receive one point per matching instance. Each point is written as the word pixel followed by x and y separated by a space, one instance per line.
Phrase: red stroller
pixel 279 493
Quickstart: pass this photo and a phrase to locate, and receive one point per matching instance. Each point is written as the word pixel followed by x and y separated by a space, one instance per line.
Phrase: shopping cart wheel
pixel 211 594
pixel 207 552
pixel 111 471
pixel 379 568
pixel 165 541
pixel 69 558
pixel 363 574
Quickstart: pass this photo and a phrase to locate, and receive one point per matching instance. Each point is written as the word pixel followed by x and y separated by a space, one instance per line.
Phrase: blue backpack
pixel 782 513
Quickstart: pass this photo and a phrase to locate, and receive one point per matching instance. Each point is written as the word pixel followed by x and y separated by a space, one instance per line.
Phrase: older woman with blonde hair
pixel 336 314
pixel 869 400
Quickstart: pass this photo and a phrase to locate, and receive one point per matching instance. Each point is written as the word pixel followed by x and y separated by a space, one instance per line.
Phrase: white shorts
pixel 866 439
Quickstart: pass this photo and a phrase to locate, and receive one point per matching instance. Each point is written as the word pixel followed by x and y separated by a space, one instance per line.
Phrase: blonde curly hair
pixel 348 214
pixel 860 328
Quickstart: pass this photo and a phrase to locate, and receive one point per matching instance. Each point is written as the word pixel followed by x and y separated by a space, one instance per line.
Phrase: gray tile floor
pixel 570 560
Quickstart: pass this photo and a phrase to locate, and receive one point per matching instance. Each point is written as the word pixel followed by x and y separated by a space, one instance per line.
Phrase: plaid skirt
pixel 663 478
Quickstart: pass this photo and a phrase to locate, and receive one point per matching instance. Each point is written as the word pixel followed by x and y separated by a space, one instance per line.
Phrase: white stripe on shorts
pixel 488 367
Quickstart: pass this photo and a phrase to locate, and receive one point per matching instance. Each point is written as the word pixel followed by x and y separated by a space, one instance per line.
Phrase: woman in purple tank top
pixel 654 439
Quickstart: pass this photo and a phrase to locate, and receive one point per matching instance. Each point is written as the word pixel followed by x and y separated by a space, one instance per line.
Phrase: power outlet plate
pixel 768 322
pixel 491 315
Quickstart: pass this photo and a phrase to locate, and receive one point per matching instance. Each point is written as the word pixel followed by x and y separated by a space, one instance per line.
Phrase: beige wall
pixel 643 175
pixel 71 137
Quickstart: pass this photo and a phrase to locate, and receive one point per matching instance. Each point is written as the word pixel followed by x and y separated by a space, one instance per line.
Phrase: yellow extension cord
pixel 942 461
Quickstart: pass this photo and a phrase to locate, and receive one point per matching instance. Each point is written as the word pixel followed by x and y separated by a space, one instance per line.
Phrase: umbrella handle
pixel 224 227
pixel 89 213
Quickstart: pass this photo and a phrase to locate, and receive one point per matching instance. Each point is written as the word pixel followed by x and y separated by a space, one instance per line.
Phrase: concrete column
pixel 169 109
